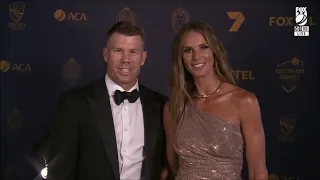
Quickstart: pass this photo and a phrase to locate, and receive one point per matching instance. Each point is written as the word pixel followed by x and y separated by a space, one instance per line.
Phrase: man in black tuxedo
pixel 112 129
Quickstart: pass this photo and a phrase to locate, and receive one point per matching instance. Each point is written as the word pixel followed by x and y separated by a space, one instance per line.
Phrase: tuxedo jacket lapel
pixel 151 129
pixel 101 111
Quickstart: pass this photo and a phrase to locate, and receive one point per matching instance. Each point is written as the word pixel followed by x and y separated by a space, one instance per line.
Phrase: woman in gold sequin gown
pixel 209 121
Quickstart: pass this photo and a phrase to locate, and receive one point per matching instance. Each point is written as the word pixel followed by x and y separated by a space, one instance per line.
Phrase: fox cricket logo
pixel 287 21
pixel 243 75
pixel 301 20
pixel 5 67
pixel 287 125
pixel 71 71
pixel 179 17
pixel 289 74
pixel 126 15
pixel 239 19
pixel 60 15
pixel 16 11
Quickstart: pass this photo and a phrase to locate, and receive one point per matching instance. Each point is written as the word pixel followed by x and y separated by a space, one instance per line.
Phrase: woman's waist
pixel 197 170
pixel 210 163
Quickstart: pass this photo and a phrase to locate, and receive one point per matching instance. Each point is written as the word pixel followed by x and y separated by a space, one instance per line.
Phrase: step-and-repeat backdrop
pixel 48 47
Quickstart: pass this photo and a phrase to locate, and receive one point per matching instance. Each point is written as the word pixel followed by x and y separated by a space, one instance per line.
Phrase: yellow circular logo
pixel 295 61
pixel 59 15
pixel 273 176
pixel 4 66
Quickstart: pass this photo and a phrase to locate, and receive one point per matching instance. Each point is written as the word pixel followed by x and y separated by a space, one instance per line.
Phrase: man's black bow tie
pixel 119 96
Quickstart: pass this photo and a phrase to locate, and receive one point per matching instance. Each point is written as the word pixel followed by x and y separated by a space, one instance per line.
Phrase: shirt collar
pixel 112 86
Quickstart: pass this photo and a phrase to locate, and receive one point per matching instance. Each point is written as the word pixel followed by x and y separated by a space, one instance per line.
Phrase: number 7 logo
pixel 239 19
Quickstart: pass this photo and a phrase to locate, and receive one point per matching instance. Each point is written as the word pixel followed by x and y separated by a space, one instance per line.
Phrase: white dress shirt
pixel 129 131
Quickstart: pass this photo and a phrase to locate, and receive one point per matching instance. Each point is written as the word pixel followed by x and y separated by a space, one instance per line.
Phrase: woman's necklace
pixel 207 96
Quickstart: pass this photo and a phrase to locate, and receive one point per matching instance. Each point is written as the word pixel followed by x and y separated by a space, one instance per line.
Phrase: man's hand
pixel 164 174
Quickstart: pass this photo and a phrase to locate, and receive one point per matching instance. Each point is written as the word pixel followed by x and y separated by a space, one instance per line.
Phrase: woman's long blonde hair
pixel 181 85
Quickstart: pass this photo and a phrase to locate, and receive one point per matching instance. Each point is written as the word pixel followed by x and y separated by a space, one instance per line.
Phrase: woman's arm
pixel 252 129
pixel 170 129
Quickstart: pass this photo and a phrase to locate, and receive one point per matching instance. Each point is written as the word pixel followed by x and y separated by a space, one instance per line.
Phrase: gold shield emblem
pixel 71 69
pixel 179 17
pixel 126 15
pixel 287 124
pixel 16 10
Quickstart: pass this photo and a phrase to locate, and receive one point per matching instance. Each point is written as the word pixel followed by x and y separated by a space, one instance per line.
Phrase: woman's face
pixel 197 55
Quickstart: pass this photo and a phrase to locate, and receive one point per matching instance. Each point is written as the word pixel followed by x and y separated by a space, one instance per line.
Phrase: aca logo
pixel 243 75
pixel 287 21
pixel 126 15
pixel 6 67
pixel 289 74
pixel 287 126
pixel 179 17
pixel 61 15
pixel 16 11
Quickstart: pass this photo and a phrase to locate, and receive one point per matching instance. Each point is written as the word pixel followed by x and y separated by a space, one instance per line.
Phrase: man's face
pixel 125 56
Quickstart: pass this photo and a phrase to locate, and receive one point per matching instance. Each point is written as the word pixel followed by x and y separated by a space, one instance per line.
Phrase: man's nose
pixel 125 57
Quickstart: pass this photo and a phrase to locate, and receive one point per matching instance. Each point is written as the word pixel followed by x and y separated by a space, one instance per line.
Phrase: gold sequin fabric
pixel 209 148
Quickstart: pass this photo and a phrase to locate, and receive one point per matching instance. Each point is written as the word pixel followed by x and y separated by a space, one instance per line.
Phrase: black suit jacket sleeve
pixel 64 138
pixel 162 150
pixel 170 175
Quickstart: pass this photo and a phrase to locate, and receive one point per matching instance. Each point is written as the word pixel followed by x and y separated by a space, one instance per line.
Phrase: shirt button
pixel 125 108
pixel 125 129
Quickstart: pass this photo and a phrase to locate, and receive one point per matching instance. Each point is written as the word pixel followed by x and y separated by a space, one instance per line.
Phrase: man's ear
pixel 105 54
pixel 144 57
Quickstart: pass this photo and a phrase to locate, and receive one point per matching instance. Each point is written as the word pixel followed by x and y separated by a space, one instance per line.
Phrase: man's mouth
pixel 125 70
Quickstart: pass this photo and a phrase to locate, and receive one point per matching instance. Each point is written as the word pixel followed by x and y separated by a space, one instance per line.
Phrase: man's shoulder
pixel 80 92
pixel 155 95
